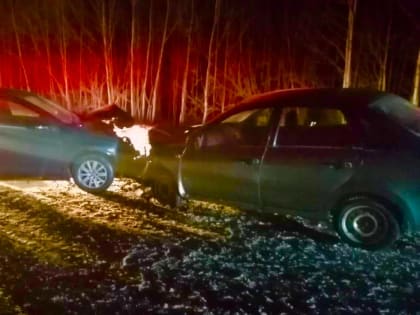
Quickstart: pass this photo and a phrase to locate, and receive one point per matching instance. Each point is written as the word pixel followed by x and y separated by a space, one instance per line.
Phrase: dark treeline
pixel 186 60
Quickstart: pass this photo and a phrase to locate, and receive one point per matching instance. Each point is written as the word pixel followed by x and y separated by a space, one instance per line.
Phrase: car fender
pixel 375 190
pixel 157 165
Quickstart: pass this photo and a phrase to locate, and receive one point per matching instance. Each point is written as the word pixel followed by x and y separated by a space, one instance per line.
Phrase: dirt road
pixel 64 251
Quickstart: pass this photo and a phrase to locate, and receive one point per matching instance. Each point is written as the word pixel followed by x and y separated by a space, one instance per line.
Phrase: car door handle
pixel 45 128
pixel 41 127
pixel 253 161
pixel 339 164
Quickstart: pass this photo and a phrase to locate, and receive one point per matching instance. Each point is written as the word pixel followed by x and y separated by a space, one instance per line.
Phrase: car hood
pixel 111 120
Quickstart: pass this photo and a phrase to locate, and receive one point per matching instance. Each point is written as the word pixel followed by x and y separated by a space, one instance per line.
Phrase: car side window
pixel 18 110
pixel 306 126
pixel 14 112
pixel 251 127
pixel 246 128
pixel 256 128
pixel 5 114
pixel 311 117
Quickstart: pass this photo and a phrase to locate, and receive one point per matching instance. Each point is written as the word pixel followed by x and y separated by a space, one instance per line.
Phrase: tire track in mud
pixel 118 210
pixel 57 238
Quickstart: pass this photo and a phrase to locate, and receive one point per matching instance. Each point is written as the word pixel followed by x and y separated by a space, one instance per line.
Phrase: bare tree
pixel 216 18
pixel 18 44
pixel 352 4
pixel 87 55
pixel 144 98
pixel 133 101
pixel 107 28
pixel 225 69
pixel 159 66
pixel 382 82
pixel 184 91
pixel 416 82
pixel 63 30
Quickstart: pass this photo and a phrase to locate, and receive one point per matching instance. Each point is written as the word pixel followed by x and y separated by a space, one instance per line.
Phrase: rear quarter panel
pixel 392 176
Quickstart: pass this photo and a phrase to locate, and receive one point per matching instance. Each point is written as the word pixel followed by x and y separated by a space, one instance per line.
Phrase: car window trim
pixel 12 126
pixel 323 147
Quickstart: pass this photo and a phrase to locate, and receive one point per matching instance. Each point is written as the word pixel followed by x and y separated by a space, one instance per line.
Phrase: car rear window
pixel 53 109
pixel 21 111
pixel 310 126
pixel 311 117
pixel 399 110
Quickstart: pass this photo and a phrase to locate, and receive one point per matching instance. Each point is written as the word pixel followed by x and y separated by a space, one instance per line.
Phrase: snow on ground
pixel 64 251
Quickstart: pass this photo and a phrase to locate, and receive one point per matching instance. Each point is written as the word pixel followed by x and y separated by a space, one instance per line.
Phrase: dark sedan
pixel 39 138
pixel 348 156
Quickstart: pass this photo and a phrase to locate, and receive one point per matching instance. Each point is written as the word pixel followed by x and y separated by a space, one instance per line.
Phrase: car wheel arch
pixel 84 153
pixel 392 203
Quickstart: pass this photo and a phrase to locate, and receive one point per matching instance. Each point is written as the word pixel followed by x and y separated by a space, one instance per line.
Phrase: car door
pixel 314 152
pixel 222 161
pixel 29 142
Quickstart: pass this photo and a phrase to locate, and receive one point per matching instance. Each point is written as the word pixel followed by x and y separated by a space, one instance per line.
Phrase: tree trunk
pixel 215 62
pixel 133 103
pixel 144 101
pixel 63 53
pixel 159 67
pixel 349 43
pixel 107 39
pixel 382 84
pixel 209 61
pixel 184 91
pixel 416 82
pixel 225 68
pixel 19 47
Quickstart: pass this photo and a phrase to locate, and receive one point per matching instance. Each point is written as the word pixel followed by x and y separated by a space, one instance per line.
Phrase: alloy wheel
pixel 92 174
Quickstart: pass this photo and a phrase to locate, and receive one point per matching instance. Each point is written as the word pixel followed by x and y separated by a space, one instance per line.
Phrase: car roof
pixel 15 92
pixel 344 94
pixel 357 98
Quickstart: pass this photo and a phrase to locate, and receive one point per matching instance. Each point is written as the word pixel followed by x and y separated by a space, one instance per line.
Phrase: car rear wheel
pixel 367 224
pixel 93 173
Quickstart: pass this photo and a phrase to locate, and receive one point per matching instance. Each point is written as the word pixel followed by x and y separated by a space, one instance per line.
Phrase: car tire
pixel 165 190
pixel 367 223
pixel 92 173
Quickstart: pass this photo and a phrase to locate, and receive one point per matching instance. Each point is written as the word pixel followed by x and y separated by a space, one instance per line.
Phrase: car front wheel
pixel 93 173
pixel 367 224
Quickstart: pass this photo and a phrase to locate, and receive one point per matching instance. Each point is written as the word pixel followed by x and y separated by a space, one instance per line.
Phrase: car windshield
pixel 54 109
pixel 399 110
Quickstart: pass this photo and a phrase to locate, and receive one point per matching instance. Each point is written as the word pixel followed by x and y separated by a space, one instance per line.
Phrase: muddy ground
pixel 63 251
